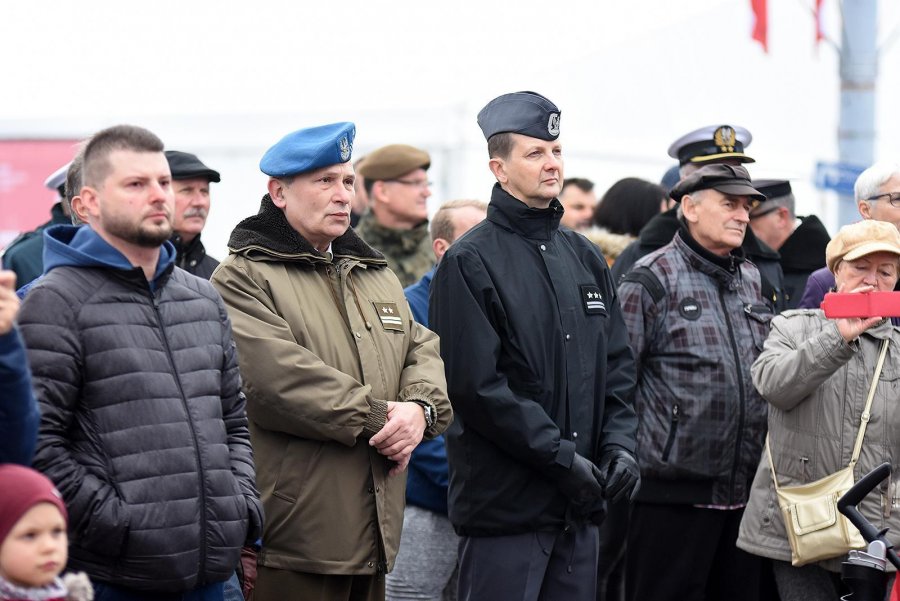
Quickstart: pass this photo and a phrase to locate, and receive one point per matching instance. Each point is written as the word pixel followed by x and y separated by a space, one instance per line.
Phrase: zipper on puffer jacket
pixel 201 477
pixel 742 400
pixel 673 429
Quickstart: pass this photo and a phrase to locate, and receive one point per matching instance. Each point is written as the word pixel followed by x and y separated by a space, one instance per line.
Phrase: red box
pixel 866 304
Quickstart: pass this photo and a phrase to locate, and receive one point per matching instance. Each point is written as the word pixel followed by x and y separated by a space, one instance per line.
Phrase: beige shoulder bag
pixel 814 527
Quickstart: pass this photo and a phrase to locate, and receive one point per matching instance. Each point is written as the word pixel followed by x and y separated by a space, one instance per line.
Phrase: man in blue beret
pixel 540 373
pixel 342 383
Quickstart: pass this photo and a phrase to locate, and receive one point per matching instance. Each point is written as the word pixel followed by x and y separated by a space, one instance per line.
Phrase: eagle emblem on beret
pixel 725 138
pixel 553 124
pixel 345 148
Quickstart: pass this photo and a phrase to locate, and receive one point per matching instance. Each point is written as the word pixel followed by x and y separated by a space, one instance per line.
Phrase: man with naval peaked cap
pixel 713 144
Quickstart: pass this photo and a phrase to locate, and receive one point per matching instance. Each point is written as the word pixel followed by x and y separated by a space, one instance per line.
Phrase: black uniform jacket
pixel 538 366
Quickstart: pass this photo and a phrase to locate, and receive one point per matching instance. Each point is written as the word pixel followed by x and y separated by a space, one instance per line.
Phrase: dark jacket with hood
pixel 801 254
pixel 660 230
pixel 191 256
pixel 538 367
pixel 143 427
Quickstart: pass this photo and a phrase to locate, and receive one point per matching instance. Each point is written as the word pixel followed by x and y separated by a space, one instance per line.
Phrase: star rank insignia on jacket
pixel 389 314
pixel 593 300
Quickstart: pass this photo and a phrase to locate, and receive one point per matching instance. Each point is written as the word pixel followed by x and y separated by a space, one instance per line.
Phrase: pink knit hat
pixel 21 488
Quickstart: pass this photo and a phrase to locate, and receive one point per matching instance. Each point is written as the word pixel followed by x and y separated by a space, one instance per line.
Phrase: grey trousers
pixel 538 566
pixel 425 568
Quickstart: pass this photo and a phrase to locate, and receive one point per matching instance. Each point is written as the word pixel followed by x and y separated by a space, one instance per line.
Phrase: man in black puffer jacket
pixel 143 425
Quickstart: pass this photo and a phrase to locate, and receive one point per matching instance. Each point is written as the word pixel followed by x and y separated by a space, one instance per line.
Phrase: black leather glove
pixel 620 474
pixel 581 482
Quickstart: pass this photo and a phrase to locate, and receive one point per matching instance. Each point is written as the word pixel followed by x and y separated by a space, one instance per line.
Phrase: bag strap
pixel 864 419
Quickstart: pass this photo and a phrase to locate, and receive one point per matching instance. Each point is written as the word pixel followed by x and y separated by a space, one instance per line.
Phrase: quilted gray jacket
pixel 143 425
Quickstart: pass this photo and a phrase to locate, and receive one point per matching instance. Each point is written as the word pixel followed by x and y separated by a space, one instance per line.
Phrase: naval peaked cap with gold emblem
pixel 712 143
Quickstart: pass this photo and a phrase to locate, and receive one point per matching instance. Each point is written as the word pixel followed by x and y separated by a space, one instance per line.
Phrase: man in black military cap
pixel 540 373
pixel 713 144
pixel 190 182
pixel 800 241
pixel 696 319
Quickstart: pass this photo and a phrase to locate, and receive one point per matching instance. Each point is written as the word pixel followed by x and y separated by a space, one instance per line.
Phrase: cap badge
pixel 725 138
pixel 344 145
pixel 553 124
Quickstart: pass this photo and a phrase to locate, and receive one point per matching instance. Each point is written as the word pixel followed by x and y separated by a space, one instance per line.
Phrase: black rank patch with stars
pixel 389 315
pixel 594 303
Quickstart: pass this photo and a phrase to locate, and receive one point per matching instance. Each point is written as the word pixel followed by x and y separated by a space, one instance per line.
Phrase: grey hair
pixel 787 201
pixel 869 182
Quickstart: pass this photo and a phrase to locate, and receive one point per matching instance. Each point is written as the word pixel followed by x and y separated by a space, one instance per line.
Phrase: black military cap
pixel 773 188
pixel 184 165
pixel 712 143
pixel 727 179
pixel 526 113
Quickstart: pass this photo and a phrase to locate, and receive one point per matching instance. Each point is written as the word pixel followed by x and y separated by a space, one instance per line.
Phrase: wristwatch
pixel 430 415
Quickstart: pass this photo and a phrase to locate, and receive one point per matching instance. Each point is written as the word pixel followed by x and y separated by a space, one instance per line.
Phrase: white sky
pixel 226 79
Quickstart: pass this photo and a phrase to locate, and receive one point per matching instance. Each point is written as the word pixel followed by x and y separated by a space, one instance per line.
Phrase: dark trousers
pixel 108 592
pixel 611 562
pixel 537 566
pixel 684 553
pixel 285 585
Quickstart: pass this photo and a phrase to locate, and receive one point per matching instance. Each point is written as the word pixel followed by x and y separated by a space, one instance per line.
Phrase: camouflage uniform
pixel 408 252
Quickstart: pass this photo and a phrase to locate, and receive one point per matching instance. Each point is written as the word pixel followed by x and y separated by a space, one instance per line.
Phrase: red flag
pixel 761 27
pixel 819 35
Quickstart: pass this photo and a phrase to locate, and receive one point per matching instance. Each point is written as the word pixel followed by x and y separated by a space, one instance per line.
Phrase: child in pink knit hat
pixel 33 540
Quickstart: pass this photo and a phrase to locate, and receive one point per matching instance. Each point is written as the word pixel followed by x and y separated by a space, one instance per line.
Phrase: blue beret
pixel 525 113
pixel 308 149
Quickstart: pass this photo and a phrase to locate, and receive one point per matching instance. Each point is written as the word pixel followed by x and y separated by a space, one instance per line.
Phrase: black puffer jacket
pixel 143 426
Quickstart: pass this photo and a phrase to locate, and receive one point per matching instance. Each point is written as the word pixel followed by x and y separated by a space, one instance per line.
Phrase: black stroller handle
pixel 848 502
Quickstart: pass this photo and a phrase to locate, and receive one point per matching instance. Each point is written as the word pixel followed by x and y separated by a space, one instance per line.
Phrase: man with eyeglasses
pixel 877 192
pixel 800 241
pixel 396 179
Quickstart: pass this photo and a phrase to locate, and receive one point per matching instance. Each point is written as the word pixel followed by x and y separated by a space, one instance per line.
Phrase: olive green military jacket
pixel 408 252
pixel 323 343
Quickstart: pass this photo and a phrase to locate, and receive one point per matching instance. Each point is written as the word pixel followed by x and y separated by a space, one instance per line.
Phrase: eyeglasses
pixel 417 183
pixel 893 197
